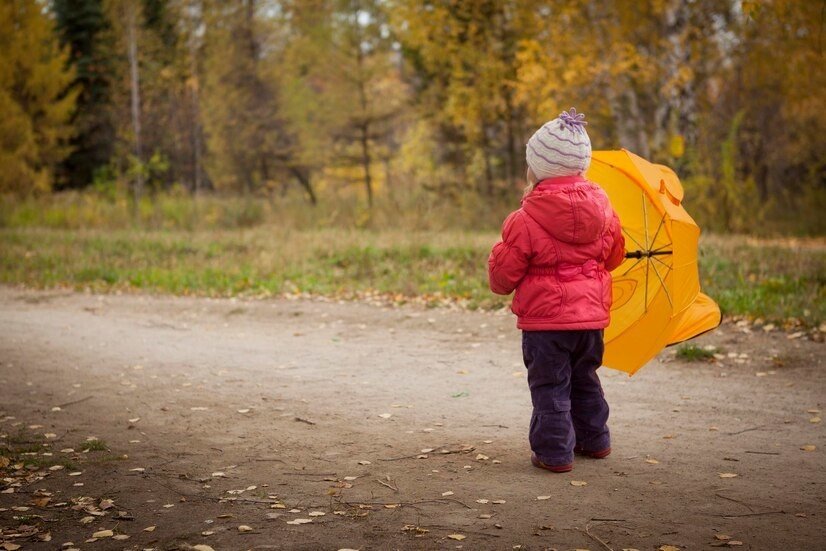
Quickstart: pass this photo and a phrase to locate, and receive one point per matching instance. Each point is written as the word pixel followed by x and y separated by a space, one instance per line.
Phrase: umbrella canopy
pixel 657 299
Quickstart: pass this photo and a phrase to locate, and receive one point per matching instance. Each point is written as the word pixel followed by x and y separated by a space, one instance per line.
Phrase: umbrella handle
pixel 646 254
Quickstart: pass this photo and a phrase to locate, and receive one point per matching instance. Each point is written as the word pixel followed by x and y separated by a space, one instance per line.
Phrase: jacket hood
pixel 571 209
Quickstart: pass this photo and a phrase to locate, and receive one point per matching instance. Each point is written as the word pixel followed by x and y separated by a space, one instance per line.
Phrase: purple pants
pixel 569 407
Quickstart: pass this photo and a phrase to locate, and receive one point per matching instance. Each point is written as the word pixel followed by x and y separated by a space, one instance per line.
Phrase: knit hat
pixel 560 148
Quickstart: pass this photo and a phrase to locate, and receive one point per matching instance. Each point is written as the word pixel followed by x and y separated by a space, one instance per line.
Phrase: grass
pixel 694 353
pixel 776 280
pixel 94 445
pixel 24 448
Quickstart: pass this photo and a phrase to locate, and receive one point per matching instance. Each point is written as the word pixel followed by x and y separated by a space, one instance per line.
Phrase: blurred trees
pixel 437 97
pixel 36 98
pixel 82 27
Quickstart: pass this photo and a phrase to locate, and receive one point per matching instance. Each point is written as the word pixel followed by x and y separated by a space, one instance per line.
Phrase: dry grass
pixel 774 280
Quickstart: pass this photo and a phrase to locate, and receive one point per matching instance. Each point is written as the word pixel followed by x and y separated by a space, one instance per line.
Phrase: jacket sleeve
pixel 617 254
pixel 508 261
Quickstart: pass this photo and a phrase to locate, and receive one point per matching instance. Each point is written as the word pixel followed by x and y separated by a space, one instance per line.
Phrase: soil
pixel 404 426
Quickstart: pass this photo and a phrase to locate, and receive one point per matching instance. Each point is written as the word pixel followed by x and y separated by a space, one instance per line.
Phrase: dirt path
pixel 222 413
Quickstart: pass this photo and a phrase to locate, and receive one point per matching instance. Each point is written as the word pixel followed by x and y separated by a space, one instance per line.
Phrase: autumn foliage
pixel 400 101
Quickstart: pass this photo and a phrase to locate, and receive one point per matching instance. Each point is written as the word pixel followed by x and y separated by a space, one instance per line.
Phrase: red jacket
pixel 556 252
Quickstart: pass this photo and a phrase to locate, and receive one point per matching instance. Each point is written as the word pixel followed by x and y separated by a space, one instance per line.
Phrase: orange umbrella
pixel 657 298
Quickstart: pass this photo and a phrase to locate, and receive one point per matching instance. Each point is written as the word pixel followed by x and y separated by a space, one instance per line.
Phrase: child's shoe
pixel 553 468
pixel 599 454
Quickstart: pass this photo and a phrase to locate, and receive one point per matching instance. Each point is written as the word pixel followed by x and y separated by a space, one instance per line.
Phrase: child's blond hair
pixel 532 180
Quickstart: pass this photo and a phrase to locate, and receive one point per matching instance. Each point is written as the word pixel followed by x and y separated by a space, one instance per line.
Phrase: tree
pixel 36 102
pixel 82 27
pixel 464 58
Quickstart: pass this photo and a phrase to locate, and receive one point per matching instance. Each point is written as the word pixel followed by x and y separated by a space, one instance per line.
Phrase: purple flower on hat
pixel 573 120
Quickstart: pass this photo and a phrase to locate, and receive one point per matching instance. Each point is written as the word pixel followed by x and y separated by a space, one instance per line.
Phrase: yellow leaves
pixel 676 146
pixel 457 537
pixel 578 483
pixel 728 475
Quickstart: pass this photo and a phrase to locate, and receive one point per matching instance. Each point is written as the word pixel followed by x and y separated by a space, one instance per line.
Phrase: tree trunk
pixel 364 127
pixel 134 84
pixel 304 180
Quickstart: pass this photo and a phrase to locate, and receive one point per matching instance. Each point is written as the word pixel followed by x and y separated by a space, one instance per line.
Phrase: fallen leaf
pixel 482 457
pixel 316 513
pixel 363 462
pixel 815 420
pixel 652 461
pixel 385 415
pixel 668 548
pixel 448 493
pixel 457 537
pixel 808 448
pixel 578 483
pixel 734 543
pixel 482 501
pixel 219 474
pixel 149 529
pixel 120 537
pixel 498 501
pixel 246 410
pixel 9 546
pixel 245 528
pixel 300 521
pixel 103 534
pixel 543 498
pixel 722 537
pixel 202 547
pixel 485 516
pixel 728 475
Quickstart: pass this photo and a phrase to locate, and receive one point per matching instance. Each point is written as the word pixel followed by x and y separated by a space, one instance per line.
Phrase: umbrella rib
pixel 665 289
pixel 645 219
pixel 656 233
pixel 663 263
pixel 632 239
pixel 661 248
pixel 634 265
pixel 645 297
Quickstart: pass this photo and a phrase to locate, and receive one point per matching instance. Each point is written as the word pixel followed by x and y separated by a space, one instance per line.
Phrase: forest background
pixel 338 146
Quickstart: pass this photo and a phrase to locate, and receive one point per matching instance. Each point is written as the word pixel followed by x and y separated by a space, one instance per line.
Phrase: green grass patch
pixel 774 280
pixel 94 445
pixel 694 353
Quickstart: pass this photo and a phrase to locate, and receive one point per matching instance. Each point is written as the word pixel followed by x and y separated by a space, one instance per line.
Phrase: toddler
pixel 556 252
